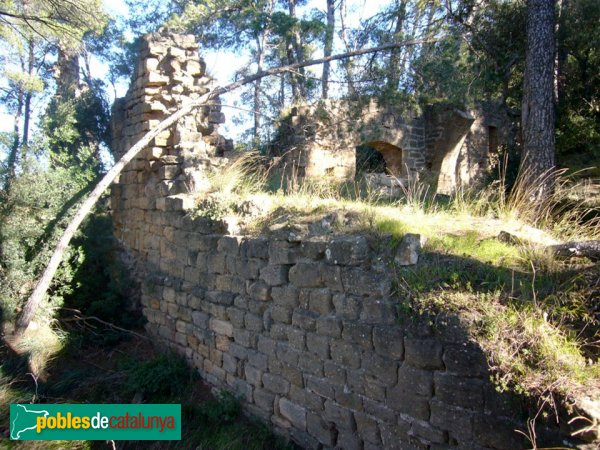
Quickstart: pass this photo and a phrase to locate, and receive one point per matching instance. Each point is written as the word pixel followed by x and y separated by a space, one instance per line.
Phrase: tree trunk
pixel 27 105
pixel 260 54
pixel 42 285
pixel 298 50
pixel 537 116
pixel 328 46
pixel 393 78
pixel 347 64
pixel 561 52
pixel 13 155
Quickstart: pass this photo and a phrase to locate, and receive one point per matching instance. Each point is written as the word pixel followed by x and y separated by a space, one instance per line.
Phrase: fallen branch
pixel 588 249
pixel 571 249
pixel 41 287
pixel 103 322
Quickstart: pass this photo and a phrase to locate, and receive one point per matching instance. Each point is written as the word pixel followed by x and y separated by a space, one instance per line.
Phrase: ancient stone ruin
pixel 444 146
pixel 304 327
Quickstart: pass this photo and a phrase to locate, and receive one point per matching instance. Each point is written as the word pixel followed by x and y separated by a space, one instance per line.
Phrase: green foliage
pixel 31 219
pixel 159 378
pixel 75 127
pixel 226 408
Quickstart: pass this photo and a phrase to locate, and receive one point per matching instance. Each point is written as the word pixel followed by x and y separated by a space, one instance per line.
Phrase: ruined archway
pixel 392 155
pixel 380 165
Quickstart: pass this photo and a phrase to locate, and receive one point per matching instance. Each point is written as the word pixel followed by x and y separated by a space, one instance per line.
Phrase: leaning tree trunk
pixel 537 120
pixel 42 285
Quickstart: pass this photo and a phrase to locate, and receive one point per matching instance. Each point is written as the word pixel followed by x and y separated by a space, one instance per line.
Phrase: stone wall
pixel 305 328
pixel 445 146
pixel 321 140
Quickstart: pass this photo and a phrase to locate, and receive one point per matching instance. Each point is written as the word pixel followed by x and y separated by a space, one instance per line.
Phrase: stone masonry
pixel 444 146
pixel 306 330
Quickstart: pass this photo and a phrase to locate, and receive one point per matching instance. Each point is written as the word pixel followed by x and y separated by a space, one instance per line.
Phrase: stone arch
pixel 392 154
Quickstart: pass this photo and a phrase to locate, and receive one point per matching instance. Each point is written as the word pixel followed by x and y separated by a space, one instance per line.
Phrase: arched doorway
pixel 379 157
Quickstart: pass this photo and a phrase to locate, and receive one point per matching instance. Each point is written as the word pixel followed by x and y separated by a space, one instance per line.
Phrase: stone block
pixel 281 314
pixel 281 252
pixel 494 432
pixel 258 360
pixel 313 249
pixel 423 353
pixel 306 275
pixel 395 437
pixel 459 391
pixel 253 323
pixel 200 319
pixel 334 373
pixel 275 384
pixel 310 364
pixel 321 386
pixel 216 263
pixel 308 400
pixel 389 342
pixel 367 428
pixel 332 277
pixel 236 317
pixel 286 354
pixel 347 307
pixel 221 327
pixel 347 250
pixel 340 416
pixel 275 275
pixel 362 282
pixel 243 338
pixel 345 354
pixel 293 412
pixel 424 430
pixel 329 326
pixel 378 311
pixel 468 360
pixel 348 399
pixel 238 351
pixel 230 245
pixel 286 296
pixel 267 346
pixel 296 339
pixel 320 301
pixel 415 380
pixel 258 290
pixel 230 363
pixel 383 369
pixel 305 320
pixel 317 344
pixel 358 333
pixel 349 440
pixel 264 399
pixel 255 248
pixel 409 250
pixel 457 421
pixel 324 431
pixel 220 297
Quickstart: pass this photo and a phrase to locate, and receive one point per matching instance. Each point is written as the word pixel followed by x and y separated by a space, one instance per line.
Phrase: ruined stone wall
pixel 321 140
pixel 461 146
pixel 444 146
pixel 305 329
pixel 308 333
